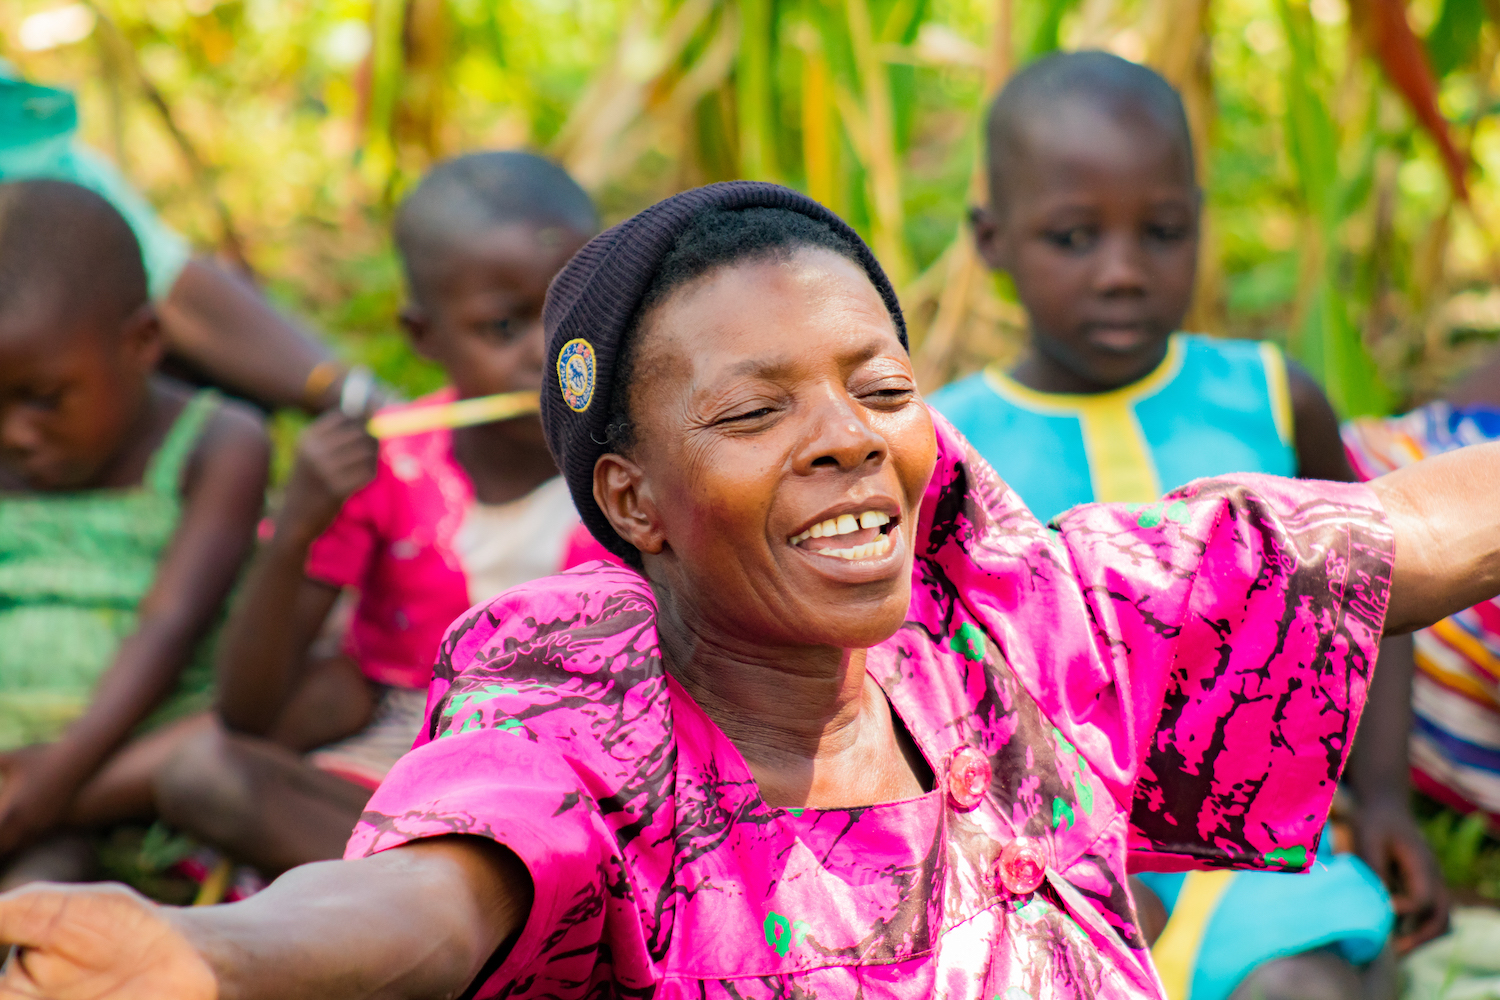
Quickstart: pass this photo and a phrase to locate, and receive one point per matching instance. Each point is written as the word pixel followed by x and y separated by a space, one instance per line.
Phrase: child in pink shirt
pixel 422 526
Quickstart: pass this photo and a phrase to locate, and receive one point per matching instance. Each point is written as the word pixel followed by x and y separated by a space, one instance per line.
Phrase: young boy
pixel 128 505
pixel 1094 212
pixel 424 526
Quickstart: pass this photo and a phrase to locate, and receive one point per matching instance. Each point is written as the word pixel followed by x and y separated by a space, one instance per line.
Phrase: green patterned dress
pixel 73 569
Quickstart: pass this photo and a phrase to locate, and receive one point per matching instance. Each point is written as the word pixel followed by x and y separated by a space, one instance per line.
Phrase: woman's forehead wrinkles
pixel 785 366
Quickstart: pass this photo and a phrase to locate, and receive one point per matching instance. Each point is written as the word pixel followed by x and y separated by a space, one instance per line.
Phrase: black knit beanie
pixel 592 305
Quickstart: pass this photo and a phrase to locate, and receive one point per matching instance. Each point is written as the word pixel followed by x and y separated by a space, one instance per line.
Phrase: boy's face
pixel 1099 230
pixel 71 393
pixel 481 314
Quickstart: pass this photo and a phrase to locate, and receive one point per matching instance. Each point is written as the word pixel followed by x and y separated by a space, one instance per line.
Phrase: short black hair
pixel 716 239
pixel 68 251
pixel 1112 84
pixel 468 194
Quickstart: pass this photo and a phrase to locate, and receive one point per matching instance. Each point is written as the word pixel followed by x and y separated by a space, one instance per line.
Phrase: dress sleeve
pixel 524 691
pixel 501 786
pixel 1243 617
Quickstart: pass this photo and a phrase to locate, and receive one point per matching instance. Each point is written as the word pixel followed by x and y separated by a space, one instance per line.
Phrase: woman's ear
pixel 621 492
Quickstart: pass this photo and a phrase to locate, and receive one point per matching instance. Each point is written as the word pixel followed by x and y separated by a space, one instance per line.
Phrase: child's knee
pixel 205 786
pixel 1312 975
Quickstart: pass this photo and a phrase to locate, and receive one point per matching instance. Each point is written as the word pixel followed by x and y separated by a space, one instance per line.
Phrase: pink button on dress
pixel 1147 691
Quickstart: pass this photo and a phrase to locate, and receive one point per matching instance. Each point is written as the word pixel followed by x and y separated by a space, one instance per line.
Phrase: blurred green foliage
pixel 288 129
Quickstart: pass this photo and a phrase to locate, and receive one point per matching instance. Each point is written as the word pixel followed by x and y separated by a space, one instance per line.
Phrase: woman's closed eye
pixel 888 395
pixel 746 416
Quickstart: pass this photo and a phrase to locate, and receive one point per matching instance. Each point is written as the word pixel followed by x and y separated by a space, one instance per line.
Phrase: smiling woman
pixel 857 724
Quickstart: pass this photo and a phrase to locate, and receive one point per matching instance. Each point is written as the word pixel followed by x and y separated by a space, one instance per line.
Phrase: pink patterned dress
pixel 1164 686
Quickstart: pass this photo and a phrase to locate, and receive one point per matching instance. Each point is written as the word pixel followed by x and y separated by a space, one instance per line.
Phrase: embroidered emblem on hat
pixel 575 373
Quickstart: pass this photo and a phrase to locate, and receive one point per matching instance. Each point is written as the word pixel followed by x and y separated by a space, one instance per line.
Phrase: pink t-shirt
pixel 1159 686
pixel 402 541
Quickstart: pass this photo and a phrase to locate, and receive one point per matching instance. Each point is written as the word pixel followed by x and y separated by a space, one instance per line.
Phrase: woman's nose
pixel 840 438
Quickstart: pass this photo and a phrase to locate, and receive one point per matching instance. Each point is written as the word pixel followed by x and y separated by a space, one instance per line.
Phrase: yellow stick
pixel 213 888
pixel 460 413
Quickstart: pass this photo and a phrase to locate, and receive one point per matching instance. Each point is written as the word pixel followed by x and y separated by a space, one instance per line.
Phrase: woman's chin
pixel 858 603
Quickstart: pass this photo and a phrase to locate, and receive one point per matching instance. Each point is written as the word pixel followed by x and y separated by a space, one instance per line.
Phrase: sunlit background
pixel 281 132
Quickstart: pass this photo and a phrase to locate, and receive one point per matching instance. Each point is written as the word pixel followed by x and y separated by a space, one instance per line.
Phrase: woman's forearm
pixel 416 922
pixel 1445 512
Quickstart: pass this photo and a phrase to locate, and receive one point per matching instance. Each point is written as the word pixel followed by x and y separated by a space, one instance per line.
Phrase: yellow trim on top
pixel 1176 951
pixel 1279 389
pixel 1120 464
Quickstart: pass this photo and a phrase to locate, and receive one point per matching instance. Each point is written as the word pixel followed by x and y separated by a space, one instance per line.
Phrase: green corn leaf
pixel 1454 38
pixel 1044 38
pixel 1312 140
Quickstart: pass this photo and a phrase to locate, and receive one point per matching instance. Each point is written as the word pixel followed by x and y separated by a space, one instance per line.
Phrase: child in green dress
pixel 127 506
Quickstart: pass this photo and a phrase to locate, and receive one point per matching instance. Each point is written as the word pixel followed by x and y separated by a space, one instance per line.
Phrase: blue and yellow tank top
pixel 1212 407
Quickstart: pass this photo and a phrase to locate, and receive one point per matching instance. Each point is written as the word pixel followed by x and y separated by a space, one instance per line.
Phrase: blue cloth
pixel 1338 904
pixel 1211 408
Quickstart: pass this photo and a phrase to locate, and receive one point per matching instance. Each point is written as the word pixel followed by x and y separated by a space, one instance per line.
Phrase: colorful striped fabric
pixel 1455 740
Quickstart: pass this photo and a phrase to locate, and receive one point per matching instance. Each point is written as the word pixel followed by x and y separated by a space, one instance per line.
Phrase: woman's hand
pixel 418 921
pixel 335 457
pixel 96 943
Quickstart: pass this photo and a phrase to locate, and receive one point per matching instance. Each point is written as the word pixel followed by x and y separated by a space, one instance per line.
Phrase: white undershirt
pixel 502 545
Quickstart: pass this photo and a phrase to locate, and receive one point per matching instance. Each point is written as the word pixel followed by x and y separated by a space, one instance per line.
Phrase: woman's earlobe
pixel 624 497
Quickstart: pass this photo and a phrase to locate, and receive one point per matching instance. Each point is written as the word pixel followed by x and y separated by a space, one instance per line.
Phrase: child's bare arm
pixel 1387 835
pixel 417 921
pixel 281 610
pixel 1320 450
pixel 223 495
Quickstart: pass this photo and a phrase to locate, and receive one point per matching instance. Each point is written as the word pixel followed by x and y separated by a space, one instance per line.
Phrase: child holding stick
pixel 423 525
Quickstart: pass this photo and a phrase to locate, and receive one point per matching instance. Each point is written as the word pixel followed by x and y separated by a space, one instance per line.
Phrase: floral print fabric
pixel 1163 686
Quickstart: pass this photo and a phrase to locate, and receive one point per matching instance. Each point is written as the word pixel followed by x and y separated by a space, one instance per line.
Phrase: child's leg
pixel 333 701
pixel 1320 975
pixel 260 802
pixel 122 790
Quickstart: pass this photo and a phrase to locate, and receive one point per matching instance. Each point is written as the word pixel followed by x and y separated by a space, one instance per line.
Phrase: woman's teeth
pixel 870 550
pixel 843 525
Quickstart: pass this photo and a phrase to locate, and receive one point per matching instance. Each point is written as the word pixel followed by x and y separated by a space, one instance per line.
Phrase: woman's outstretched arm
pixel 1445 512
pixel 418 921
